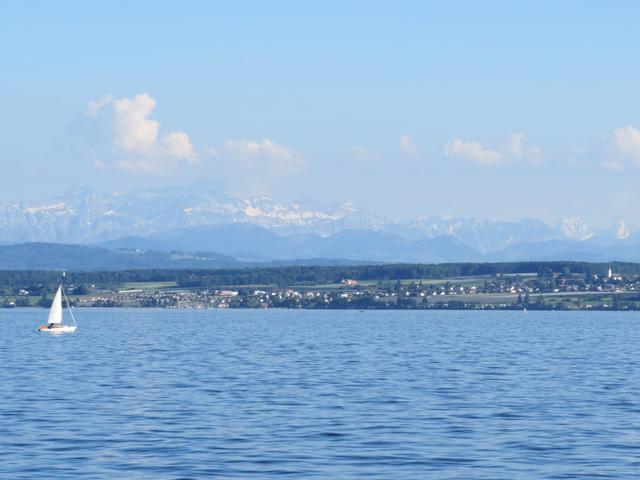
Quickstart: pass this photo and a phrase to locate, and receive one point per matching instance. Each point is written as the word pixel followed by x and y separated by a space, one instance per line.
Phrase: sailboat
pixel 55 325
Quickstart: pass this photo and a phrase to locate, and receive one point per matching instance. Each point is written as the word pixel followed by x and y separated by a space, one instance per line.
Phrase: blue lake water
pixel 312 394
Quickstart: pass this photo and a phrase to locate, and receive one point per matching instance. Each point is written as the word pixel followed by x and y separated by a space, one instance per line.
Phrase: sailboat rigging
pixel 55 322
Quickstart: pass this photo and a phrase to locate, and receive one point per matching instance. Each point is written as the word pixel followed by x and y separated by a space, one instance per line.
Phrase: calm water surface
pixel 310 394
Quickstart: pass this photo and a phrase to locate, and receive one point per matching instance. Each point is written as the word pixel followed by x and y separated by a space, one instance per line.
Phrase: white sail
pixel 55 314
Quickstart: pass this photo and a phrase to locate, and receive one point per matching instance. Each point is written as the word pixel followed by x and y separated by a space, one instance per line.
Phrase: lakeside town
pixel 544 290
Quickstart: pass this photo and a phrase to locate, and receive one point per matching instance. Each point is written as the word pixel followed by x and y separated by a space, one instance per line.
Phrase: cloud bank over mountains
pixel 277 158
pixel 513 151
pixel 130 138
pixel 122 133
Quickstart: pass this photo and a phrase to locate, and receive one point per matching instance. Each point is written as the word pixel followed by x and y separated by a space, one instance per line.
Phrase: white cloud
pixel 179 146
pixel 134 131
pixel 514 150
pixel 276 156
pixel 95 105
pixel 133 138
pixel 211 151
pixel 473 151
pixel 514 144
pixel 253 148
pixel 627 141
pixel 408 146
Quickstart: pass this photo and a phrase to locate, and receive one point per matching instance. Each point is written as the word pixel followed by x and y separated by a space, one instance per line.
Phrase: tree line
pixel 303 275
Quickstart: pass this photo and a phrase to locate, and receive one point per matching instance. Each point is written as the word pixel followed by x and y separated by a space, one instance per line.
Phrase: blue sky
pixel 489 109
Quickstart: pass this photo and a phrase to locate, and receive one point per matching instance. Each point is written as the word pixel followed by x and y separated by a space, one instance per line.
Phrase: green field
pixel 147 285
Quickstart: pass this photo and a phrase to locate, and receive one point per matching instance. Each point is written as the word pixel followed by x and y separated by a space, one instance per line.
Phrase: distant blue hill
pixel 253 243
pixel 246 245
pixel 54 256
pixel 133 243
pixel 588 251
pixel 243 241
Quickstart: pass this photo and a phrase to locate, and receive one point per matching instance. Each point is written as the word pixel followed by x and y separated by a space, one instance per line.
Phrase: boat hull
pixel 61 329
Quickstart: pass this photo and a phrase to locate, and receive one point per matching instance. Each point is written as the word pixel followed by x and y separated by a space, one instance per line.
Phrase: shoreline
pixel 479 308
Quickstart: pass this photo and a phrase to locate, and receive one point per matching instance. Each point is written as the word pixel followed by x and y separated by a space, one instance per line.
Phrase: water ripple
pixel 299 394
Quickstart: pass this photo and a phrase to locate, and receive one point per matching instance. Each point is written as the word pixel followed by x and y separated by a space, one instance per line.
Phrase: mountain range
pixel 168 225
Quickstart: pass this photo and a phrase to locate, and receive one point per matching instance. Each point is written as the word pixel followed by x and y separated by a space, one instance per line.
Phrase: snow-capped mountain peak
pixel 82 216
pixel 623 231
pixel 575 228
